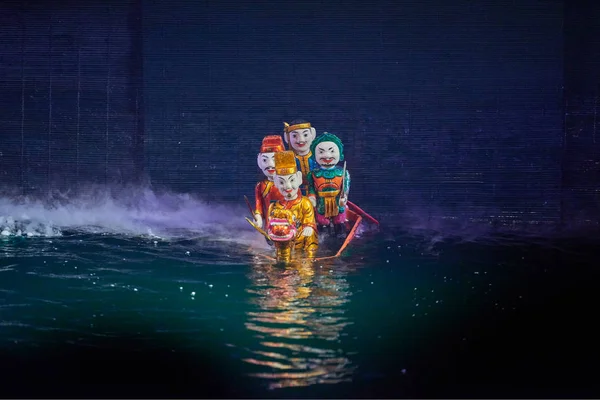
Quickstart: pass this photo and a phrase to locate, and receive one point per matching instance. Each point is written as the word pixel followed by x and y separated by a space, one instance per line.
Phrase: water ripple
pixel 299 310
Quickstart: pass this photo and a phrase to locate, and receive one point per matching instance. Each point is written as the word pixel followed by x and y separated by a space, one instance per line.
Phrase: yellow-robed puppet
pixel 294 208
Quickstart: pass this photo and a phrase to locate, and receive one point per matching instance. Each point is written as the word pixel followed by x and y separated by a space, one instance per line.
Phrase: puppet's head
pixel 287 178
pixel 266 158
pixel 299 134
pixel 327 150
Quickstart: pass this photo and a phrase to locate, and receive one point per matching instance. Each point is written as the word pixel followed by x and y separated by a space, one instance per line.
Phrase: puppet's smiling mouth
pixel 270 170
pixel 327 161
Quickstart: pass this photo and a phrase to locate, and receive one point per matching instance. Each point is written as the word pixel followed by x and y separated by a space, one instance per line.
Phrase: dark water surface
pixel 112 315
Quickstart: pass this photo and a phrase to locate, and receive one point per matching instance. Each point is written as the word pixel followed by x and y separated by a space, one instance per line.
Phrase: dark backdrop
pixel 581 158
pixel 451 109
pixel 70 79
pixel 445 108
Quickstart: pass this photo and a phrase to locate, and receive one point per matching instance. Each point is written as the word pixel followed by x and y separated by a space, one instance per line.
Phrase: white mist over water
pixel 135 212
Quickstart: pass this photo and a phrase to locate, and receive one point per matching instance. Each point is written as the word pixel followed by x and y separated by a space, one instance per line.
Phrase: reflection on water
pixel 299 321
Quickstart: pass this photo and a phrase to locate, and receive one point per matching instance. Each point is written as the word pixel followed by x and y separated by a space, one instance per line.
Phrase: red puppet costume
pixel 265 191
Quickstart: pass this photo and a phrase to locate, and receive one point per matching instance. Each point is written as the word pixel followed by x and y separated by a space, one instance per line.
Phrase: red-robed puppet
pixel 265 191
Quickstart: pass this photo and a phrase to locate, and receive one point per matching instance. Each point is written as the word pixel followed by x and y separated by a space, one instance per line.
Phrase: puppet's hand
pixel 307 231
pixel 258 220
pixel 343 201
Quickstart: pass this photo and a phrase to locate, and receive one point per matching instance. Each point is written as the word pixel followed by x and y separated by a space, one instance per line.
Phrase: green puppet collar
pixel 328 173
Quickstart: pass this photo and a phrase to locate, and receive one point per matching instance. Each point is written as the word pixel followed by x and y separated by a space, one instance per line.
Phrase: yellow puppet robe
pixel 304 215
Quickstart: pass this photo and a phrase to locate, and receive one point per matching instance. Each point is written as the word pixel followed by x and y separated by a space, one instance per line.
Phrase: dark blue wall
pixel 70 79
pixel 461 109
pixel 581 158
pixel 445 108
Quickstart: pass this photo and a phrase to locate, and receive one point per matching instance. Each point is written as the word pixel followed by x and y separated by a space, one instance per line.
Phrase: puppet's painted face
pixel 288 185
pixel 327 154
pixel 301 139
pixel 266 163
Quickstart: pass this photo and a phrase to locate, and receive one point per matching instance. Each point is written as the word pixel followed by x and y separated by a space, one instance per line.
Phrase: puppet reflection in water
pixel 299 323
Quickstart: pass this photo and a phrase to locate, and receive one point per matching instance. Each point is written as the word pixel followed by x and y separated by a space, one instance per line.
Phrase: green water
pixel 100 315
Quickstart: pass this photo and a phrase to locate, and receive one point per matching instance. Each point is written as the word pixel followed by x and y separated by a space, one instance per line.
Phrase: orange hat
pixel 287 128
pixel 285 163
pixel 272 144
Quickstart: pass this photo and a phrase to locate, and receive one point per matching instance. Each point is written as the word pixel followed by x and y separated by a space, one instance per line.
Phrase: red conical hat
pixel 272 144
